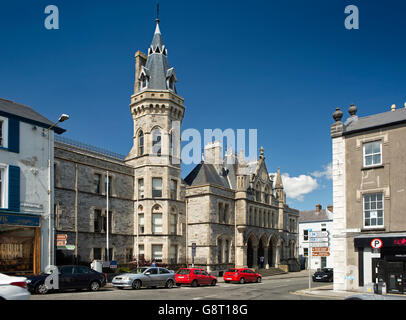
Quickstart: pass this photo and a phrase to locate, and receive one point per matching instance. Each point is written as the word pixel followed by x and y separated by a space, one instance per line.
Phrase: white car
pixel 13 288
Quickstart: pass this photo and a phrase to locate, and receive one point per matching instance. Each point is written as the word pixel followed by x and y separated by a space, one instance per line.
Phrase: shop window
pixel 305 252
pixel 373 210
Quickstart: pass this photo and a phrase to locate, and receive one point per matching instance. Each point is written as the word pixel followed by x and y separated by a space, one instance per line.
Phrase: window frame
pixel 152 186
pixel 4 133
pixel 383 211
pixel 154 225
pixel 364 155
pixel 3 186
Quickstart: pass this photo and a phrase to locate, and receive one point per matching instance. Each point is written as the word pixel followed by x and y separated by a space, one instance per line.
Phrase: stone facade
pixel 155 214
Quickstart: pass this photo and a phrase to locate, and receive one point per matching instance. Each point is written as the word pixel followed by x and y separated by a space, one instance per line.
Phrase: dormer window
pixel 157 50
pixel 144 81
pixel 171 83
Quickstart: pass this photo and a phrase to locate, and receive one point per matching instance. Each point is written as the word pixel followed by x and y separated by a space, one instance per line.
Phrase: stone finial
pixel 405 104
pixel 261 152
pixel 393 108
pixel 338 115
pixel 352 110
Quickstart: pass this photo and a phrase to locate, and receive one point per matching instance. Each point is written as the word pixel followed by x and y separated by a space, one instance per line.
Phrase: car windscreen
pixel 232 270
pixel 183 271
pixel 138 270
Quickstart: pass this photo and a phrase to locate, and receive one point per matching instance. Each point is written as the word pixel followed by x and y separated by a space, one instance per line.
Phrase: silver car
pixel 145 277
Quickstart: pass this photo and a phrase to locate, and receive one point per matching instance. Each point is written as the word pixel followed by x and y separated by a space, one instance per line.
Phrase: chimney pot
pixel 318 207
pixel 393 108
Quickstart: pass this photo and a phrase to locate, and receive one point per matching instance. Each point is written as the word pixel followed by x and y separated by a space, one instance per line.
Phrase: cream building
pixel 232 212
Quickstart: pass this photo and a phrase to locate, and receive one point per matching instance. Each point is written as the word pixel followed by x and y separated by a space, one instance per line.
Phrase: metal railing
pixel 88 147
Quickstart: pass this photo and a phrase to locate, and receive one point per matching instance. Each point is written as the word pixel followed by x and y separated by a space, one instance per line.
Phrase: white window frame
pixel 372 154
pixel 4 186
pixel 154 225
pixel 153 252
pixel 4 137
pixel 383 211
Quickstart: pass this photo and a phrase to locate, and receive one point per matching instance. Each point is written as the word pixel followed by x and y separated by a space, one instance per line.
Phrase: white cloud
pixel 297 187
pixel 327 172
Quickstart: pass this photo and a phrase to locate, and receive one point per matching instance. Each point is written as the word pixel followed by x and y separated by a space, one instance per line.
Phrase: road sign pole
pixel 310 260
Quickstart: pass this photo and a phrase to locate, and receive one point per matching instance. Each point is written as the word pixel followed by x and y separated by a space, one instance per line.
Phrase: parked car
pixel 241 275
pixel 13 288
pixel 145 277
pixel 324 274
pixel 70 277
pixel 194 277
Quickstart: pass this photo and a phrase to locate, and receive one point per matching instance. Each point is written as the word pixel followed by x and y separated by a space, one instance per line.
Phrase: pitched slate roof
pixel 205 173
pixel 157 65
pixel 313 215
pixel 376 121
pixel 22 112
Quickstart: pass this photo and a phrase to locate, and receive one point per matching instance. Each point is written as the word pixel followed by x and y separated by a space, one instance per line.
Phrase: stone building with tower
pixel 232 210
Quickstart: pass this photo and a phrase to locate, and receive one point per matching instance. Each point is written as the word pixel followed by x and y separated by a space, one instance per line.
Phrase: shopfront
pixel 382 258
pixel 20 246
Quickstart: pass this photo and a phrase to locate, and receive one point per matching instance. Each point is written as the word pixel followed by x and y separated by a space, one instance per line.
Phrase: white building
pixel 26 144
pixel 319 220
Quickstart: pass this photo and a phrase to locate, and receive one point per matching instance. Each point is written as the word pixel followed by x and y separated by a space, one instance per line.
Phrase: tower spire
pixel 157 12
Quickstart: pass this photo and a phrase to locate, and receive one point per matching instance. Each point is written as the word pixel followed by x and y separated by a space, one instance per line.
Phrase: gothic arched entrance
pixel 272 252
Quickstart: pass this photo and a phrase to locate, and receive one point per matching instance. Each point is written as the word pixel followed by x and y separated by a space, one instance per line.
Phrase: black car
pixel 324 274
pixel 70 277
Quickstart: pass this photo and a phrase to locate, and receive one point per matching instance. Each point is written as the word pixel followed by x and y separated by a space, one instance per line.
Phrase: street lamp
pixel 62 118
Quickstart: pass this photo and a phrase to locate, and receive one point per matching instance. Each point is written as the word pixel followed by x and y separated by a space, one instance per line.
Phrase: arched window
pixel 140 143
pixel 266 195
pixel 227 252
pixel 171 144
pixel 258 193
pixel 173 222
pixel 219 251
pixel 156 142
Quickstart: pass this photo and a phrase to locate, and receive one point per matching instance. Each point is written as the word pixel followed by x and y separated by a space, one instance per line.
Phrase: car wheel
pixel 169 284
pixel 94 286
pixel 213 283
pixel 41 288
pixel 259 279
pixel 194 283
pixel 242 281
pixel 136 284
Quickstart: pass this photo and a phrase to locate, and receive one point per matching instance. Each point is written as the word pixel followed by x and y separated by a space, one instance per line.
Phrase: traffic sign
pixel 319 244
pixel 319 239
pixel 321 254
pixel 60 243
pixel 321 249
pixel 61 237
pixel 376 243
pixel 67 247
pixel 193 249
pixel 319 234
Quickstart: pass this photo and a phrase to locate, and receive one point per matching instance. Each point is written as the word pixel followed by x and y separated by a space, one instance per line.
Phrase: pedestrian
pixel 261 260
pixel 153 263
pixel 93 264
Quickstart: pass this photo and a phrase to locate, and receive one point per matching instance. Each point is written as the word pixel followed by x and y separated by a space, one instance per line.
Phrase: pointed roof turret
pixel 157 74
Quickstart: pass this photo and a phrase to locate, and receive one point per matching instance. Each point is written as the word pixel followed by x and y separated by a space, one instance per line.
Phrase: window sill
pixel 365 229
pixel 379 166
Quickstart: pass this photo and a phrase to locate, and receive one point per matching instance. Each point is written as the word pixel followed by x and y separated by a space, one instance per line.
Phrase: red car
pixel 194 277
pixel 241 275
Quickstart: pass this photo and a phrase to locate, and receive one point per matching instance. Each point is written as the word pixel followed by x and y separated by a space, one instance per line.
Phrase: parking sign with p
pixel 376 243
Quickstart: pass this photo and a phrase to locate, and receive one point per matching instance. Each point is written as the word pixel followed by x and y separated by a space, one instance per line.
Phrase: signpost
pixel 193 253
pixel 318 246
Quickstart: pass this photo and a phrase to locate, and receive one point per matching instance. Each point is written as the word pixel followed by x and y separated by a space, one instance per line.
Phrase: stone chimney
pixel 330 208
pixel 140 61
pixel 393 108
pixel 213 154
pixel 318 208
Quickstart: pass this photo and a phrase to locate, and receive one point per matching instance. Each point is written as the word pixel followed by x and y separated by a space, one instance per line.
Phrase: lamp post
pixel 62 118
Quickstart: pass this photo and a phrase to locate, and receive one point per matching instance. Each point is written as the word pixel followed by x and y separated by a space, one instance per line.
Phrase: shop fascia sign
pixel 400 242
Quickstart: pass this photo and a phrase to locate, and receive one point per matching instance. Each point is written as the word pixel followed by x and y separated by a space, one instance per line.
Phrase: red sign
pixel 61 237
pixel 321 254
pixel 400 242
pixel 376 243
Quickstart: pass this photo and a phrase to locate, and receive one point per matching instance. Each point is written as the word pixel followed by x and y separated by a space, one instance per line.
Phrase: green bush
pixel 122 270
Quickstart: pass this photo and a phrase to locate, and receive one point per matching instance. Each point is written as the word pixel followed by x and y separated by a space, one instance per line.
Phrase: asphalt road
pixel 271 289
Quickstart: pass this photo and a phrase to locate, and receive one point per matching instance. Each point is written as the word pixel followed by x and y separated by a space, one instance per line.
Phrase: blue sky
pixel 281 67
